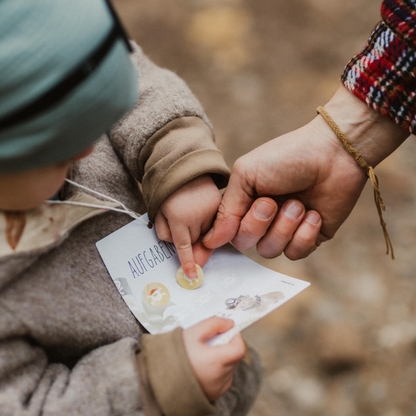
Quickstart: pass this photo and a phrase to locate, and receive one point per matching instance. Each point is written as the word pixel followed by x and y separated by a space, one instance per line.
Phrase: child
pixel 68 343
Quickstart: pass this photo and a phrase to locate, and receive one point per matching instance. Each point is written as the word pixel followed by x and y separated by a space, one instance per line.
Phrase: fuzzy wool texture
pixel 68 343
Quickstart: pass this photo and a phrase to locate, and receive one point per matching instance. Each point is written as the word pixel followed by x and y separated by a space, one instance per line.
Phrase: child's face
pixel 26 190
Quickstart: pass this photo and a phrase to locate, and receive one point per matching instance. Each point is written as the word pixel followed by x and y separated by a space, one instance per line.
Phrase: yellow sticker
pixel 187 283
pixel 156 294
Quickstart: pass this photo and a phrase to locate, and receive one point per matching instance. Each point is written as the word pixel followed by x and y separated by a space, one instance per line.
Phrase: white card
pixel 144 268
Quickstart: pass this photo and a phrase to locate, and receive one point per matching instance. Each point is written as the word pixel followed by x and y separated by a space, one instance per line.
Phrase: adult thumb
pixel 234 206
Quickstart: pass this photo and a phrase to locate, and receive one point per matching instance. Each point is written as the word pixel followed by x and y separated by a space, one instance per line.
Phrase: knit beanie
pixel 65 78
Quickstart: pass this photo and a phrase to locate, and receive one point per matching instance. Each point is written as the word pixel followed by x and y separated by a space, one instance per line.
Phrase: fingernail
pixel 263 210
pixel 192 274
pixel 208 235
pixel 313 218
pixel 292 210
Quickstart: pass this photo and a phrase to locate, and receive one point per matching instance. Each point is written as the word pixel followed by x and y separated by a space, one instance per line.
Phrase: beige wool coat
pixel 68 343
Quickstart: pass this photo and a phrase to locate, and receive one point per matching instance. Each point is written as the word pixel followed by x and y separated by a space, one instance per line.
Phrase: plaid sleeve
pixel 383 75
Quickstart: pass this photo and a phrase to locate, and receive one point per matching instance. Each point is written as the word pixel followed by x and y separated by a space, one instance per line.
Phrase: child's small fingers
pixel 207 328
pixel 183 244
pixel 225 386
pixel 234 351
pixel 162 227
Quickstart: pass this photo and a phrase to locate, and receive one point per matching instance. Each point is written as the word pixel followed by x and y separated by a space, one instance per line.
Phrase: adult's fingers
pixel 282 229
pixel 234 205
pixel 306 238
pixel 183 243
pixel 296 237
pixel 255 223
pixel 201 253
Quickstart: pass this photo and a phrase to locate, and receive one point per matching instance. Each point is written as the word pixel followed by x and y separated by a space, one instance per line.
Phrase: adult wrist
pixel 371 134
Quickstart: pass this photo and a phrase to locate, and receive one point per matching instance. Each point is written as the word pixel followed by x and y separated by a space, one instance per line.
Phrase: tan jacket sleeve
pixel 168 384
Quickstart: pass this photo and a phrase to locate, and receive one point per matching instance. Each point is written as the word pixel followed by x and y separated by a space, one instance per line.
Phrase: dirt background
pixel 347 345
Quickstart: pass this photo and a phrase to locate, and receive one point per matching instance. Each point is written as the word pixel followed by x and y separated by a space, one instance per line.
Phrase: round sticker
pixel 156 294
pixel 187 283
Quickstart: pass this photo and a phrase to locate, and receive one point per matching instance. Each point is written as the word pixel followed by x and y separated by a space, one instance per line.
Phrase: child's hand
pixel 185 216
pixel 213 366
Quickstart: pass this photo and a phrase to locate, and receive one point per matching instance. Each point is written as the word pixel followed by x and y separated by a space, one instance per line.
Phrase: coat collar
pixel 45 225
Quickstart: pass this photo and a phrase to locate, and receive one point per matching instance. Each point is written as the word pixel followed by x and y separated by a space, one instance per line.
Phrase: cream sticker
pixel 187 283
pixel 156 294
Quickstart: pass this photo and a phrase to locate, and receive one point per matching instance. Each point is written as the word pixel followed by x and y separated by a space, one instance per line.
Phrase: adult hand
pixel 312 177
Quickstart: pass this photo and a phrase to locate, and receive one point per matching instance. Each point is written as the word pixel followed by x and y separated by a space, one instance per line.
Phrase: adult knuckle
pixel 269 251
pixel 299 253
pixel 239 167
pixel 282 233
pixel 243 244
pixel 292 255
pixel 249 230
pixel 304 244
pixel 221 211
pixel 225 216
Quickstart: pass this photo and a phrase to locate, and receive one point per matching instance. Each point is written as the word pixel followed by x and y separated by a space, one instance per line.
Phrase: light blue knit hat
pixel 65 78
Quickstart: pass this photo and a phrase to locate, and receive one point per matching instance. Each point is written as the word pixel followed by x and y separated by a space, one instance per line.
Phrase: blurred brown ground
pixel 347 345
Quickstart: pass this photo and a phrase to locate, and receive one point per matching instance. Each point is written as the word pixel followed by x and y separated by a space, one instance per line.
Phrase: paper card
pixel 144 268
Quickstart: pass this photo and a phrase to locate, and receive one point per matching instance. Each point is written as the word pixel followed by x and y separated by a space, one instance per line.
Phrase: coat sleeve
pixel 166 139
pixel 114 379
pixel 383 75
pixel 103 382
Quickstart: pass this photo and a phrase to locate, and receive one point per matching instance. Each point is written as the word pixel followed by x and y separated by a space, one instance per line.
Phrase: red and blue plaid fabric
pixel 384 74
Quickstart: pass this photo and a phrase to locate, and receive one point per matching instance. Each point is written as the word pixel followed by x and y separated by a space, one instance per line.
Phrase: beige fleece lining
pixel 46 224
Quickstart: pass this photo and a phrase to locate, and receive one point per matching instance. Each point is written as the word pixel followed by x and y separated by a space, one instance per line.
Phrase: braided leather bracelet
pixel 368 169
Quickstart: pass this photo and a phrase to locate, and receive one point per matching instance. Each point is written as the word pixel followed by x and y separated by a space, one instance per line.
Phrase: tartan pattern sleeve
pixel 383 75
